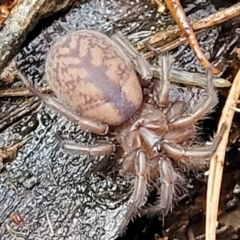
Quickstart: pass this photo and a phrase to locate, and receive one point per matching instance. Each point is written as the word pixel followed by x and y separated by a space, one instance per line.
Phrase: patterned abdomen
pixel 92 76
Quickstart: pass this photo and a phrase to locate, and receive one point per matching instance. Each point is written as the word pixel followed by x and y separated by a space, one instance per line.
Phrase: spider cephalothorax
pixel 96 82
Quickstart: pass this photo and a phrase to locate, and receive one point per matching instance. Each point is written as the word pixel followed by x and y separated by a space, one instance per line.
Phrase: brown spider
pixel 99 88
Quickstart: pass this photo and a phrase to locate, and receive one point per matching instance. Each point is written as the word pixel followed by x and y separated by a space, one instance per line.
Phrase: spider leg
pixel 140 192
pixel 140 186
pixel 140 63
pixel 101 148
pixel 162 87
pixel 205 105
pixel 180 135
pixel 176 111
pixel 136 160
pixel 170 182
pixel 177 152
pixel 86 124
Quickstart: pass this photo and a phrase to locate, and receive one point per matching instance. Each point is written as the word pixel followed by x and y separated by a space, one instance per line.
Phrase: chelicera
pixel 97 86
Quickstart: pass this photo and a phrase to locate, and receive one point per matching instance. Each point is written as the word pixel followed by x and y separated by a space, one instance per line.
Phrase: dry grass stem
pixel 217 161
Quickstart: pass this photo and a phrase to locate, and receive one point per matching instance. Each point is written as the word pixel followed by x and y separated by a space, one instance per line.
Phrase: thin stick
pixel 221 16
pixel 170 46
pixel 21 92
pixel 183 23
pixel 214 19
pixel 217 161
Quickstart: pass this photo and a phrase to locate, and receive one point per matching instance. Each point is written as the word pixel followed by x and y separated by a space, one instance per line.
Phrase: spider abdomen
pixel 91 74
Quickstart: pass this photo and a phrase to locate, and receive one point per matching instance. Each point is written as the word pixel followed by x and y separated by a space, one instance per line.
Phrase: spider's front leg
pixel 204 106
pixel 162 86
pixel 161 95
pixel 192 156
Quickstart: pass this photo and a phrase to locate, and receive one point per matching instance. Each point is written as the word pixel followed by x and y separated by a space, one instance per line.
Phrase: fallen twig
pixel 21 92
pixel 10 152
pixel 195 79
pixel 217 160
pixel 221 16
pixel 167 40
pixel 214 19
pixel 183 23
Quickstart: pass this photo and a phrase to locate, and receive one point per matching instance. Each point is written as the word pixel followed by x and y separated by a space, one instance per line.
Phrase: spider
pixel 99 82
